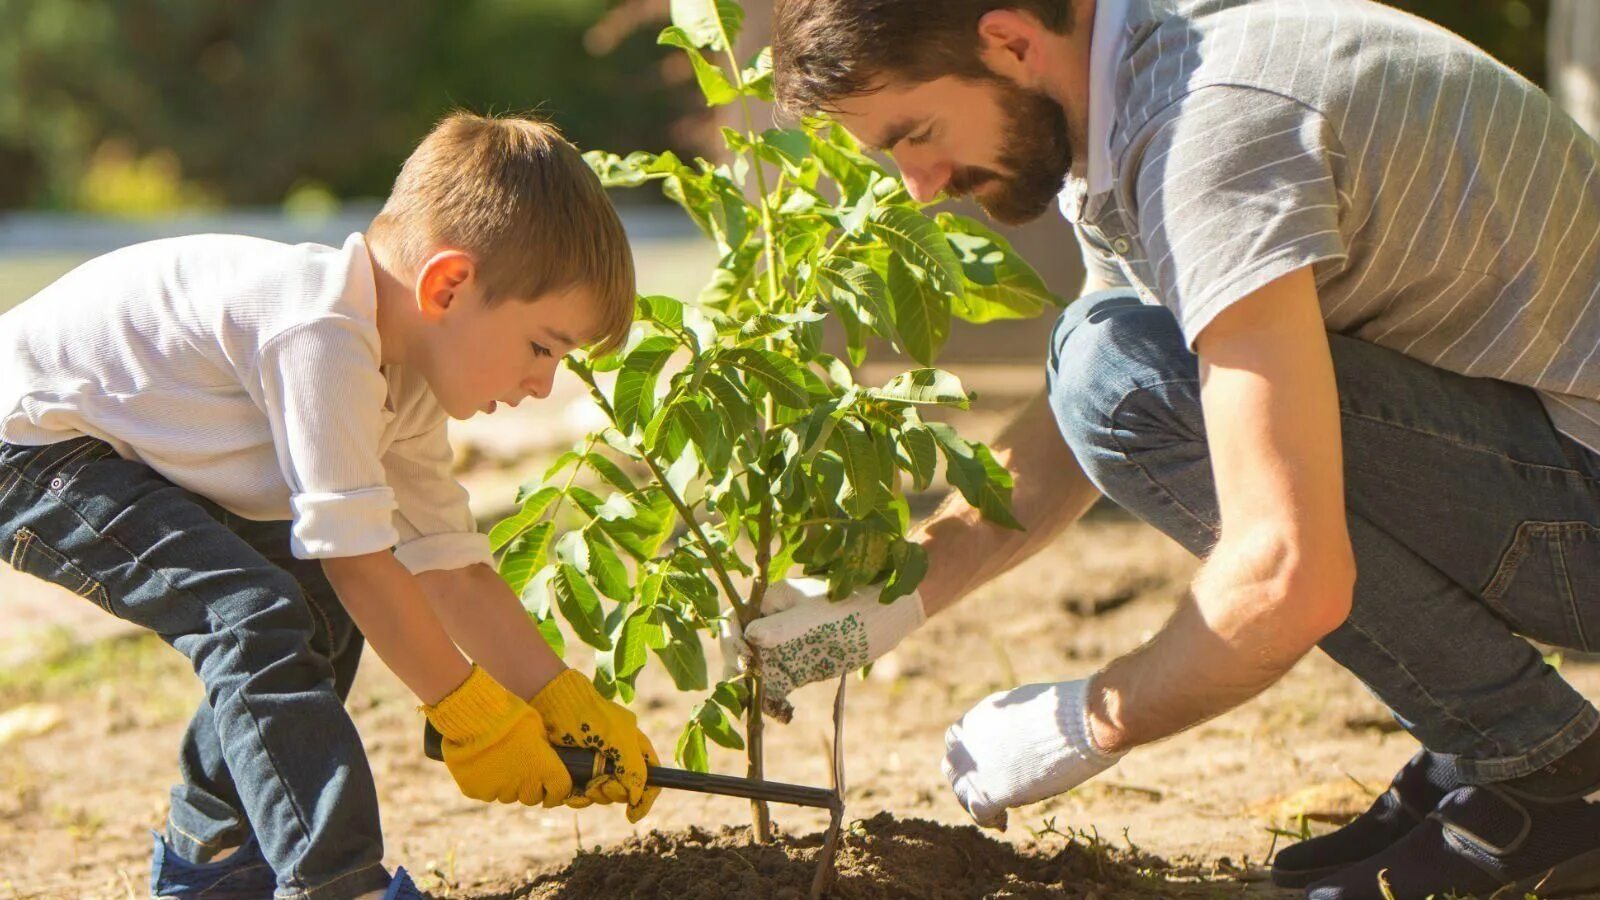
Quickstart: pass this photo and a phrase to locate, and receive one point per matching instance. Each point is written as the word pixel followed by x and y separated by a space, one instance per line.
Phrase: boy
pixel 241 446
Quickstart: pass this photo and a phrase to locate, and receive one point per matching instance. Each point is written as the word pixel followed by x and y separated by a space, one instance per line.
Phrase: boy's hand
pixel 495 745
pixel 1020 746
pixel 575 715
pixel 803 637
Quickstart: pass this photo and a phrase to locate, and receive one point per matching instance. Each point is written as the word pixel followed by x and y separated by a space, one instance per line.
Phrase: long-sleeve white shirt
pixel 249 372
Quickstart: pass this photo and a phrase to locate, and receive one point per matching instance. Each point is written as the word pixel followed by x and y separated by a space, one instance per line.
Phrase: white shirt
pixel 249 372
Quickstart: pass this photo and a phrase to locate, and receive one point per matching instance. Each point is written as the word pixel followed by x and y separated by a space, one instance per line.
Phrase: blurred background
pixel 126 119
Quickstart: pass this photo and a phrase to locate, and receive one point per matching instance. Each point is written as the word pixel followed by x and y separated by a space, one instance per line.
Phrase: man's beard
pixel 1036 155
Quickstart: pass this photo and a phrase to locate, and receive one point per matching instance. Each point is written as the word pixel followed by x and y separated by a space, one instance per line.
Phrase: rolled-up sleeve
pixel 323 395
pixel 433 518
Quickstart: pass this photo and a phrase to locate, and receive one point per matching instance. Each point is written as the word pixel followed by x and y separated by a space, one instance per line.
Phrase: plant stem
pixel 760 813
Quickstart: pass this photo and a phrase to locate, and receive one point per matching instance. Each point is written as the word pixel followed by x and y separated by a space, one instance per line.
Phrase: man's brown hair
pixel 824 51
pixel 518 198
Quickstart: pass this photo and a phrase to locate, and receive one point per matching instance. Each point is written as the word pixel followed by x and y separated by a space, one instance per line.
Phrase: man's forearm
pixel 487 621
pixel 1243 626
pixel 1050 493
pixel 394 615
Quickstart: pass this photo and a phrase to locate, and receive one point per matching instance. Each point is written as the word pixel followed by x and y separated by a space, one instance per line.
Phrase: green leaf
pixel 732 402
pixel 692 584
pixel 853 443
pixel 611 472
pixel 526 556
pixel 704 427
pixel 921 313
pixel 790 145
pixel 717 727
pixel 552 635
pixel 714 83
pixel 917 240
pixel 634 396
pixel 733 696
pixel 856 285
pixel 664 312
pixel 512 526
pixel 712 24
pixel 781 375
pixel 691 752
pixel 972 469
pixel 910 565
pixel 999 282
pixel 683 656
pixel 610 575
pixel 919 453
pixel 616 507
pixel 560 464
pixel 580 606
pixel 637 635
pixel 933 386
pixel 573 549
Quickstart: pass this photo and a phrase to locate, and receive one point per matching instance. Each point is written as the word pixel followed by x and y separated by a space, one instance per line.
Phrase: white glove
pixel 803 637
pixel 1020 746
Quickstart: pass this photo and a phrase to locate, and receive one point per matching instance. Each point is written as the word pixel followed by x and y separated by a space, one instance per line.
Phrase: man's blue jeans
pixel 1473 521
pixel 271 748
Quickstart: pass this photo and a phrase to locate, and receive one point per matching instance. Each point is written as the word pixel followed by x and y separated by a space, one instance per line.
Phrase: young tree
pixel 760 454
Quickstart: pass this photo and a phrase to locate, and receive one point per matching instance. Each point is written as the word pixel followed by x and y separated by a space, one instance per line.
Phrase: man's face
pixel 1006 146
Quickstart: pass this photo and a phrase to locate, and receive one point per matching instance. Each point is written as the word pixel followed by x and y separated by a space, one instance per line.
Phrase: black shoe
pixel 1482 841
pixel 1419 787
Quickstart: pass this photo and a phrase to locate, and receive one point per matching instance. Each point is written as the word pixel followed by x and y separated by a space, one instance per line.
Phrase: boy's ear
pixel 441 280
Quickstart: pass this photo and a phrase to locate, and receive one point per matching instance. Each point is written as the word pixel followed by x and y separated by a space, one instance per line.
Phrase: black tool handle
pixel 580 765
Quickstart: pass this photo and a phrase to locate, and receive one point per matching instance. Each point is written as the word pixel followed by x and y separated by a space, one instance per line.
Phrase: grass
pixel 65 667
pixel 22 278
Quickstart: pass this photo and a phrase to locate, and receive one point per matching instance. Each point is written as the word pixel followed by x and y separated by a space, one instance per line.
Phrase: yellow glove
pixel 495 745
pixel 575 715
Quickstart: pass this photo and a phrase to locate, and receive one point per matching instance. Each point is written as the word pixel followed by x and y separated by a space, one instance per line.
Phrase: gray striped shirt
pixel 1450 210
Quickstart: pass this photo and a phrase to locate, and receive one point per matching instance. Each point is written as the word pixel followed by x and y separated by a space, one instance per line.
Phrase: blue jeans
pixel 1474 523
pixel 271 748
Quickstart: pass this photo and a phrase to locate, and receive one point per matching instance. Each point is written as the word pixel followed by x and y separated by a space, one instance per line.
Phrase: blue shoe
pixel 1421 784
pixel 401 888
pixel 244 875
pixel 1483 840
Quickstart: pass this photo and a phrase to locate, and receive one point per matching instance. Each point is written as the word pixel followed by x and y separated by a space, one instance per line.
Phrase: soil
pixel 881 858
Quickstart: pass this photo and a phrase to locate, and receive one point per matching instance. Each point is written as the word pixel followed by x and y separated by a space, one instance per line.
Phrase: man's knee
pixel 1104 349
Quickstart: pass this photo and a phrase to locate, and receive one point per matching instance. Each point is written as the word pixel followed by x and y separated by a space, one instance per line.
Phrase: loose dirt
pixel 881 858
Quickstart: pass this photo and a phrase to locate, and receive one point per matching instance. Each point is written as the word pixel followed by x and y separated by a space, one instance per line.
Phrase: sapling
pixel 737 449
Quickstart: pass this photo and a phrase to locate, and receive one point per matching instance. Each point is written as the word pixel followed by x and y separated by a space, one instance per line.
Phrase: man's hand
pixel 1021 746
pixel 495 745
pixel 577 716
pixel 803 637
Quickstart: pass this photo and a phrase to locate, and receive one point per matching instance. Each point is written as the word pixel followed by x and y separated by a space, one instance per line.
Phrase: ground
pixel 90 717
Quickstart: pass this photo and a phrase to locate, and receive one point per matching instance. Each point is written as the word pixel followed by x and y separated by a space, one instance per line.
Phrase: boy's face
pixel 478 356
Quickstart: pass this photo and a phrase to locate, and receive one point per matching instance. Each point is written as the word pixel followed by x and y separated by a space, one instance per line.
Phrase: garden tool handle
pixel 580 763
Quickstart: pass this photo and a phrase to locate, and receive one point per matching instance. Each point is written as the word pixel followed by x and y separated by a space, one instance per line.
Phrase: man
pixel 1339 339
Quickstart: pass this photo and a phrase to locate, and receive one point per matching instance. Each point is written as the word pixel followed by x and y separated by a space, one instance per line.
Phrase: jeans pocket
pixel 1547 585
pixel 31 554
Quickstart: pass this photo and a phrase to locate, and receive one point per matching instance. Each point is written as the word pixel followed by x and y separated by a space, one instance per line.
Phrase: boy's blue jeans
pixel 1473 521
pixel 271 748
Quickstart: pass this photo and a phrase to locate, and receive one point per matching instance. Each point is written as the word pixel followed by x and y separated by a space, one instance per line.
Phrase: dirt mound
pixel 880 858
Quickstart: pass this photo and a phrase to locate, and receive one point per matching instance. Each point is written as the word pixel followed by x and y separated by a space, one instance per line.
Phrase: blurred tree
pixel 1575 60
pixel 254 97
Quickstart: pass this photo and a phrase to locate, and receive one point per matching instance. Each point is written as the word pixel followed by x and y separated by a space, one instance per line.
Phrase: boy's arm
pixel 485 619
pixel 395 615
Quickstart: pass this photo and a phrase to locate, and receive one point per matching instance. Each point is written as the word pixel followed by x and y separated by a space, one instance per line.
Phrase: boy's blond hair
pixel 520 199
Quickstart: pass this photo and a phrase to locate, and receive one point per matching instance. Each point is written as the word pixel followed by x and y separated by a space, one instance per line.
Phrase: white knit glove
pixel 1021 746
pixel 803 637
